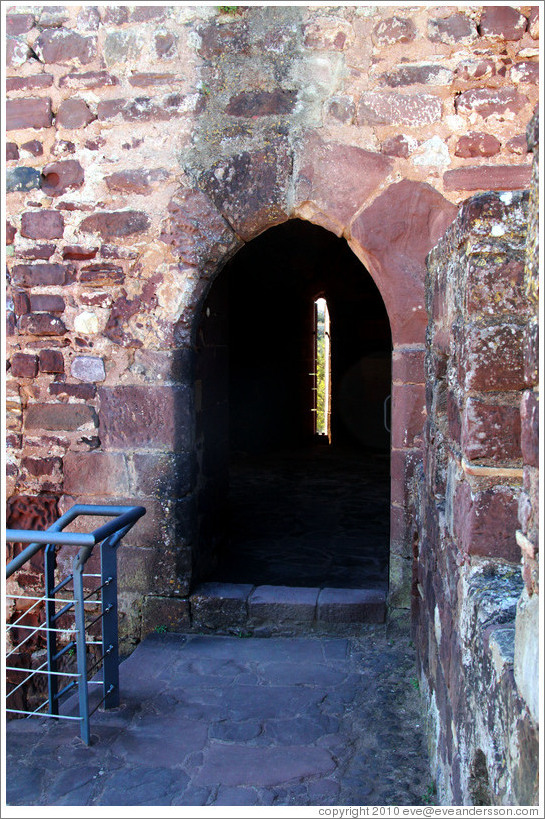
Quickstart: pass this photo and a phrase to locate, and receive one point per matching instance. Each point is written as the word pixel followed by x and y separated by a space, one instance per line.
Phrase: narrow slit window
pixel 322 370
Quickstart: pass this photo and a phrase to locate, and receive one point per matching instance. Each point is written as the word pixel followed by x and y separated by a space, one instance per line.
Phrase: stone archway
pixel 391 228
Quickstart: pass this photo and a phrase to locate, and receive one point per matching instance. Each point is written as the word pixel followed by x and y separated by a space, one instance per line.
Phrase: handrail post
pixel 81 649
pixel 49 576
pixel 110 638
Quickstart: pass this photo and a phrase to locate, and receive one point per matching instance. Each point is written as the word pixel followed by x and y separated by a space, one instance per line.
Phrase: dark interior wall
pixel 255 347
pixel 273 282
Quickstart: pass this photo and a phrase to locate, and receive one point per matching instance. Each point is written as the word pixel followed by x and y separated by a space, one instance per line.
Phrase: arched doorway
pixel 279 504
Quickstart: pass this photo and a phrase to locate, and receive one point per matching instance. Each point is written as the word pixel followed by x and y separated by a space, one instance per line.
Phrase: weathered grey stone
pixel 88 368
pixel 263 767
pixel 527 651
pixel 22 179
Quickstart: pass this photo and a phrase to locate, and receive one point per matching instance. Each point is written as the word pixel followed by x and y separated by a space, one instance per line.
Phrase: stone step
pixel 233 607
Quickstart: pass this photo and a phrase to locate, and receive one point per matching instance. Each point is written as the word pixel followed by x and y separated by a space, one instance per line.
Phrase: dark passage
pixel 296 512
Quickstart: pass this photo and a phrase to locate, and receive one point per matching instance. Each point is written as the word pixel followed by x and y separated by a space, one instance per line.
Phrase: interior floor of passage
pixel 315 517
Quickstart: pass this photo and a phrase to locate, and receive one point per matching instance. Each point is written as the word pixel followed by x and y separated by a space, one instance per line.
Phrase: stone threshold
pixel 234 608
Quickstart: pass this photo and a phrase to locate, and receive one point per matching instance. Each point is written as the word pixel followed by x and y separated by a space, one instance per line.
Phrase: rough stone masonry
pixel 146 145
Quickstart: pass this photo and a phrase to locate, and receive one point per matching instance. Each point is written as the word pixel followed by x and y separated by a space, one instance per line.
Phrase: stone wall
pixel 480 682
pixel 146 145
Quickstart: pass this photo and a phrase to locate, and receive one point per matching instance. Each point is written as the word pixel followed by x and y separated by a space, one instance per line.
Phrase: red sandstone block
pixel 491 358
pixel 495 285
pixel 114 15
pixel 408 366
pixel 525 71
pixel 34 147
pixel 485 523
pixel 46 303
pixel 59 45
pixel 401 527
pixel 488 101
pixel 19 23
pixel 488 177
pixel 134 181
pixel 78 252
pixel 162 475
pixel 82 391
pixel 74 113
pixel 21 303
pixel 170 612
pixel 95 473
pixel 42 324
pixel 31 112
pixel 477 144
pixel 37 252
pixel 517 145
pixel 491 431
pixel 10 233
pixel 40 275
pixel 101 274
pixel 454 29
pixel 408 414
pixel 12 151
pixel 530 428
pixel 29 83
pixel 59 416
pixel 533 23
pixel 42 224
pixel 477 69
pixel 37 467
pixel 109 224
pixel 58 177
pixel 393 30
pixel 403 463
pixel 24 365
pixel 145 417
pixel 390 108
pixel 51 361
pixel 333 35
pixel 230 37
pixel 427 74
pixel 88 79
pixel 262 103
pixel 502 23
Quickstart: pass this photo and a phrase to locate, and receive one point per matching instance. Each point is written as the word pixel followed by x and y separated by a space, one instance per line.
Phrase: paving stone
pixel 262 767
pixel 239 744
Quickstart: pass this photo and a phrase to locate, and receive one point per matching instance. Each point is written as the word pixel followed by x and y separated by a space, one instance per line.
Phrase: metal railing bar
pixel 33 713
pixel 45 599
pixel 125 517
pixel 108 535
pixel 39 671
pixel 62 611
pixel 11 625
pixel 98 588
pixel 32 633
pixel 65 690
pixel 62 584
pixel 23 682
pixel 64 650
pixel 108 692
pixel 99 617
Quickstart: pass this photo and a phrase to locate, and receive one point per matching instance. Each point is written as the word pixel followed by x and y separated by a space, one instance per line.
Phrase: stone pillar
pixel 527 623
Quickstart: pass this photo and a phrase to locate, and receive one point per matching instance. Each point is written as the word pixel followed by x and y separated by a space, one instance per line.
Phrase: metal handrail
pixel 108 536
